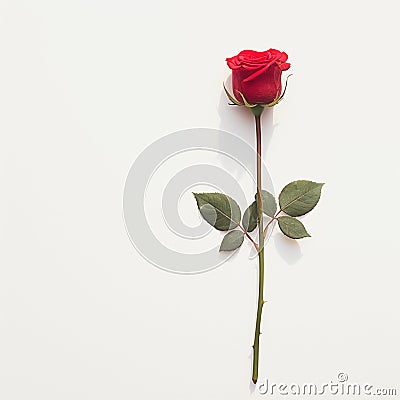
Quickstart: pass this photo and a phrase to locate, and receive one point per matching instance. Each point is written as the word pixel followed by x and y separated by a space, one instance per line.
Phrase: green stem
pixel 256 345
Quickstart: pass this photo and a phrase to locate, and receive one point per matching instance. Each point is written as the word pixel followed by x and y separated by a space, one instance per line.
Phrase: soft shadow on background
pixel 288 249
pixel 240 121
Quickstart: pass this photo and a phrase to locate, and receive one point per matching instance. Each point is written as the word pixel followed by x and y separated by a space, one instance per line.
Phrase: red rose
pixel 257 75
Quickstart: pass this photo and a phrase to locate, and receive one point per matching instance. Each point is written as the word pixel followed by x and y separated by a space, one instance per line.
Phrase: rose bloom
pixel 257 75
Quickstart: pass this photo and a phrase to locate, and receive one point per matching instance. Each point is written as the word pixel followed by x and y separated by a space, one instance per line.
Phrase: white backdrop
pixel 85 87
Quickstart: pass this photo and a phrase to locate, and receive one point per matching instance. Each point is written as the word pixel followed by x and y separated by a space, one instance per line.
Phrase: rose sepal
pixel 231 98
pixel 252 105
pixel 277 100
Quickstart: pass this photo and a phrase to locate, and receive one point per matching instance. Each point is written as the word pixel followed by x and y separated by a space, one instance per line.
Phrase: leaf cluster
pixel 223 213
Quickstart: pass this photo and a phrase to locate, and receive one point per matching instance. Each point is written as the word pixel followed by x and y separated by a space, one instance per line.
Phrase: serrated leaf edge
pixel 280 218
pixel 230 219
pixel 298 198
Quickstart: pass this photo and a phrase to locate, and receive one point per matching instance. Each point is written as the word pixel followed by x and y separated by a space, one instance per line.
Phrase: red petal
pixel 285 66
